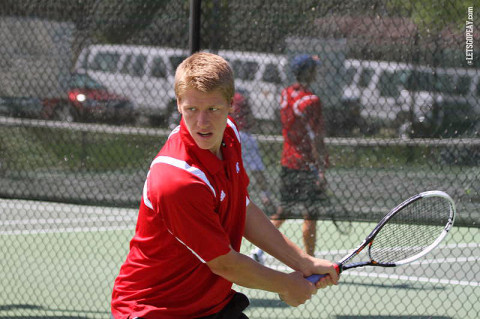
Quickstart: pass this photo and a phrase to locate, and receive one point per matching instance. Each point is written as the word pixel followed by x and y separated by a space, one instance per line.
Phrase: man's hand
pixel 298 290
pixel 322 181
pixel 323 267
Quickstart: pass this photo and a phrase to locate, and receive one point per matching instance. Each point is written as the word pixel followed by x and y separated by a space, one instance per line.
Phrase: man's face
pixel 205 115
pixel 311 74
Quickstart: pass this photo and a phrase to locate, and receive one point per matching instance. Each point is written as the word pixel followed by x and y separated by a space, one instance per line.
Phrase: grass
pixel 33 148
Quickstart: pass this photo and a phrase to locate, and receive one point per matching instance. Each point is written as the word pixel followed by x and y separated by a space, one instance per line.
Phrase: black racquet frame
pixel 343 263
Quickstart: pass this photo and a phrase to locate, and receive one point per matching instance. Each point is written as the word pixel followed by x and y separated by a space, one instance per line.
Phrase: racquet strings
pixel 411 230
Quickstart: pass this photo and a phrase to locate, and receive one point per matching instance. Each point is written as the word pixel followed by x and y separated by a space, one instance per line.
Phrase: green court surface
pixel 60 261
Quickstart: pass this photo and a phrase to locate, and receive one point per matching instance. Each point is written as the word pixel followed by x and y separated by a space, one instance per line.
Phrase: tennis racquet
pixel 408 232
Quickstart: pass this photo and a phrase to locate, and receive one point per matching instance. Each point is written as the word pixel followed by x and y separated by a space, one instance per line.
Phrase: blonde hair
pixel 205 72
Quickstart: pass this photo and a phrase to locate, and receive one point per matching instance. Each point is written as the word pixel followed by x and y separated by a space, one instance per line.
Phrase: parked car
pixel 143 74
pixel 29 107
pixel 418 101
pixel 263 76
pixel 87 100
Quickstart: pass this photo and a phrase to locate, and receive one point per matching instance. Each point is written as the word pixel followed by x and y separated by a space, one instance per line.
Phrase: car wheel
pixel 64 113
pixel 405 130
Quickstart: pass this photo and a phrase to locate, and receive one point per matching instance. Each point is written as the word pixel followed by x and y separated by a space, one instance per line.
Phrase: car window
pixel 444 83
pixel 420 81
pixel 159 69
pixel 175 60
pixel 106 62
pixel 390 83
pixel 463 85
pixel 126 64
pixel 138 65
pixel 134 65
pixel 84 81
pixel 365 77
pixel 271 74
pixel 83 60
pixel 245 70
pixel 349 75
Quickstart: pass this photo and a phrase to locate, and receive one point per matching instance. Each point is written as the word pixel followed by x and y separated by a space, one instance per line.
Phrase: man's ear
pixel 230 109
pixel 178 106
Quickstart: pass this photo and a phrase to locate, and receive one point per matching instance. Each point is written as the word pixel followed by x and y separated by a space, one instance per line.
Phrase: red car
pixel 87 100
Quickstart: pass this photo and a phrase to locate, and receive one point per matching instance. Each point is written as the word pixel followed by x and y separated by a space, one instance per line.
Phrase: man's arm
pixel 293 288
pixel 262 233
pixel 244 271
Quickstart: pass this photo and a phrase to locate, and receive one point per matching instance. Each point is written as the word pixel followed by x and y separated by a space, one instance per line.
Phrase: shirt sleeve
pixel 187 207
pixel 311 110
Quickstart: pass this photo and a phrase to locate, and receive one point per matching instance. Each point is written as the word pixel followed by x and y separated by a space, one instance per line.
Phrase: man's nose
pixel 203 118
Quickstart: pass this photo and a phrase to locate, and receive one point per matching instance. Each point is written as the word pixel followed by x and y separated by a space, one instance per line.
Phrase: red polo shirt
pixel 193 209
pixel 302 120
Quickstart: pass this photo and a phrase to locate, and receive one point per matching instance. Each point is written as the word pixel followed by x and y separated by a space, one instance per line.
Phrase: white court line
pixel 413 278
pixel 393 276
pixel 445 260
pixel 38 206
pixel 56 221
pixel 343 252
pixel 67 230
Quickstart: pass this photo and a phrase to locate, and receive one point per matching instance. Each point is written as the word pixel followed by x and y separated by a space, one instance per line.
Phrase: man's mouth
pixel 204 134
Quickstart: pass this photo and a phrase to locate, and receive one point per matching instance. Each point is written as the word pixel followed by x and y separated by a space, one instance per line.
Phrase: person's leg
pixel 309 230
pixel 276 219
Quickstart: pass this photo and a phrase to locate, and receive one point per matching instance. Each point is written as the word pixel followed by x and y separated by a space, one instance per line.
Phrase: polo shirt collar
pixel 206 158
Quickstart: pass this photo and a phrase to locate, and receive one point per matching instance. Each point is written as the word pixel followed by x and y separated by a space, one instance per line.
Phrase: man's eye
pixel 213 109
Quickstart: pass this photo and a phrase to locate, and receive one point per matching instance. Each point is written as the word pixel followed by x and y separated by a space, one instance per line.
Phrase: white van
pixel 262 76
pixel 389 90
pixel 146 76
pixel 143 74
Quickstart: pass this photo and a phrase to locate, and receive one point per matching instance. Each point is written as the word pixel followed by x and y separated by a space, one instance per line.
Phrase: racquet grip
pixel 315 278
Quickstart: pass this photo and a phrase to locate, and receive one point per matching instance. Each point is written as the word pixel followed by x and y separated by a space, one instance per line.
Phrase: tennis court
pixel 60 260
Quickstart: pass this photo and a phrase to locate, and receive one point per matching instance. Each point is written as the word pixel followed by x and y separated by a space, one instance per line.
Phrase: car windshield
pixel 85 82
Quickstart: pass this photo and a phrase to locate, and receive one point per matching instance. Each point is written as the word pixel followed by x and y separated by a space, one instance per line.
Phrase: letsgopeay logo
pixel 469 36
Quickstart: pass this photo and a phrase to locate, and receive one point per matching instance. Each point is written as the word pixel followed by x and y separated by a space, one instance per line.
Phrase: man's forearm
pixel 245 272
pixel 263 234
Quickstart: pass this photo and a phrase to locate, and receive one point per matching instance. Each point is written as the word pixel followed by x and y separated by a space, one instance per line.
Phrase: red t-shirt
pixel 242 112
pixel 302 120
pixel 192 210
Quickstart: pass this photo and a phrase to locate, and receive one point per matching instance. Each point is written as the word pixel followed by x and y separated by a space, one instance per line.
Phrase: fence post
pixel 194 21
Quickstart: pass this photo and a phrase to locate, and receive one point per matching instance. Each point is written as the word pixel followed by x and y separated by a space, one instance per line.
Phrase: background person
pixel 195 209
pixel 252 159
pixel 304 155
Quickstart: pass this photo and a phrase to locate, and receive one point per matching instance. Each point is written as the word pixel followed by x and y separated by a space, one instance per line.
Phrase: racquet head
pixel 409 231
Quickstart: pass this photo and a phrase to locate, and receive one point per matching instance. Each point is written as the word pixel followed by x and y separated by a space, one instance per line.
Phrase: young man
pixel 304 155
pixel 195 209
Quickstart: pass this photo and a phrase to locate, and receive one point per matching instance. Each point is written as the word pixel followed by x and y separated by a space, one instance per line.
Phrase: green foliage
pixel 433 15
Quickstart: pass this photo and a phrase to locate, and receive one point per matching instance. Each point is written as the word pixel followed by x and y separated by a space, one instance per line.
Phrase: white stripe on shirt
pixel 230 123
pixel 298 102
pixel 183 165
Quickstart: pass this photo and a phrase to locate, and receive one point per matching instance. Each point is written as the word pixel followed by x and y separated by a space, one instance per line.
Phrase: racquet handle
pixel 315 278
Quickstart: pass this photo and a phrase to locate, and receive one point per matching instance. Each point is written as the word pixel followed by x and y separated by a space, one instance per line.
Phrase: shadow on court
pixel 391 317
pixel 45 317
pixel 386 286
pixel 270 303
pixel 29 307
pixel 19 306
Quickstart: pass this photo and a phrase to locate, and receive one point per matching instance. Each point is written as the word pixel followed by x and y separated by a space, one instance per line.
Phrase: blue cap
pixel 303 62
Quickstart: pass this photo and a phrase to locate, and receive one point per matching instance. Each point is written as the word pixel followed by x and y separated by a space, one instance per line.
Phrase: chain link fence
pixel 87 101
